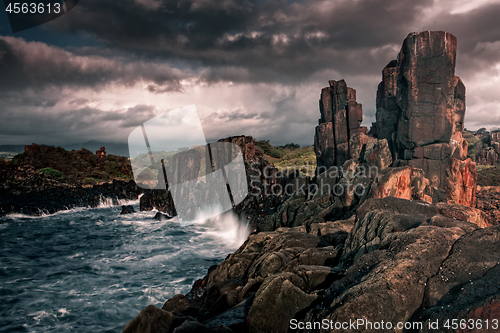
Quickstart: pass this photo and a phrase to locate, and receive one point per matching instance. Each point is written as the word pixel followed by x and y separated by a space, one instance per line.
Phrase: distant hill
pixel 120 149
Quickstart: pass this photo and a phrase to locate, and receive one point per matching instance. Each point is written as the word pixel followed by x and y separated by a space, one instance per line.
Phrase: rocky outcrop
pixel 127 209
pixel 77 166
pixel 28 191
pixel 267 186
pixel 489 155
pixel 420 111
pixel 420 115
pixel 396 260
pixel 488 201
pixel 495 137
pixel 408 247
pixel 101 152
pixel 341 117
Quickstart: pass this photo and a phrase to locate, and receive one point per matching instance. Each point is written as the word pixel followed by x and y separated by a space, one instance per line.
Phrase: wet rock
pixel 276 302
pixel 387 284
pixel 191 326
pixel 158 199
pixel 127 209
pixel 162 217
pixel 181 305
pixel 152 319
pixel 236 316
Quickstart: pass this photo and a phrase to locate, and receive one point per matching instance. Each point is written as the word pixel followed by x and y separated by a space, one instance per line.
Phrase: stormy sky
pixel 250 67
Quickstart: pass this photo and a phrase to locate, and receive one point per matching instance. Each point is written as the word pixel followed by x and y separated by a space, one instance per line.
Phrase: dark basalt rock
pixel 341 117
pixel 420 115
pixel 27 191
pixel 127 209
pixel 162 217
pixel 402 261
pixel 420 111
pixel 488 200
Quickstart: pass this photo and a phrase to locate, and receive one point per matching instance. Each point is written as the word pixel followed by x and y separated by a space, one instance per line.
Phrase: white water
pixel 93 270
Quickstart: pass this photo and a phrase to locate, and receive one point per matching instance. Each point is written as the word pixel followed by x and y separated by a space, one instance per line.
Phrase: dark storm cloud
pixel 260 41
pixel 478 36
pixel 266 61
pixel 37 65
pixel 65 125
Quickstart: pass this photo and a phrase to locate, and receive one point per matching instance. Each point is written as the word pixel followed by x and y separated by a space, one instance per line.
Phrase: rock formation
pixel 495 137
pixel 489 155
pixel 395 260
pixel 265 183
pixel 420 113
pixel 101 152
pixel 341 117
pixel 408 248
pixel 28 191
pixel 421 92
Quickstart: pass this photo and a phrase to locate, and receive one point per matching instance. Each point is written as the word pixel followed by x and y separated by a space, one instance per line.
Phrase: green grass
pixel 301 159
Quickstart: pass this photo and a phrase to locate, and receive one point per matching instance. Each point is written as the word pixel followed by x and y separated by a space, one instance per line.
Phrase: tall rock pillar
pixel 421 109
pixel 341 116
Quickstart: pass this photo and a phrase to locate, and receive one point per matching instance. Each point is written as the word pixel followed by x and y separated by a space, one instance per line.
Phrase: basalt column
pixel 421 109
pixel 341 116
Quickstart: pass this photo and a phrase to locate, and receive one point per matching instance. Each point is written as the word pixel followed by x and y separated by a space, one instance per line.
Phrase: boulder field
pixel 395 260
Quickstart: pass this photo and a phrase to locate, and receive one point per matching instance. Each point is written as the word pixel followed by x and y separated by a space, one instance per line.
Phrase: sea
pixel 94 270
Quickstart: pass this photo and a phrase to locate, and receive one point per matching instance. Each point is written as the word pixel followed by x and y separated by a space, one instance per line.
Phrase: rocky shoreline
pixel 395 260
pixel 27 191
pixel 410 247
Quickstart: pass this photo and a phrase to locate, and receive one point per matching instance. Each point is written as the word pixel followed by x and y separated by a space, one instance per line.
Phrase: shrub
pixel 291 146
pixel 52 173
pixel 16 158
pixel 264 145
pixel 277 152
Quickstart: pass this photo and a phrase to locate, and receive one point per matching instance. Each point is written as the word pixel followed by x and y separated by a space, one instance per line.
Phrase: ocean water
pixel 93 270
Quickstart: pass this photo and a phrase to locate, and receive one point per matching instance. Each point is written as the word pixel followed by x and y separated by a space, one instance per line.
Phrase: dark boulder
pixel 162 217
pixel 152 320
pixel 127 209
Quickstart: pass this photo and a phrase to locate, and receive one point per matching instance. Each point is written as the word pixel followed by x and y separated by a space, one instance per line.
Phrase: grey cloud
pixel 79 101
pixel 37 65
pixel 266 41
pixel 233 115
pixel 56 125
